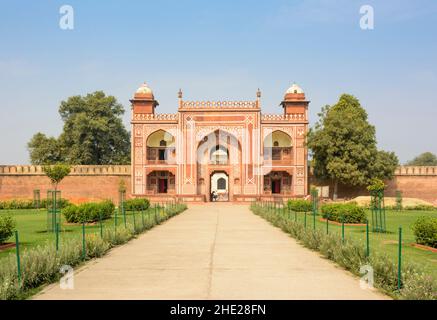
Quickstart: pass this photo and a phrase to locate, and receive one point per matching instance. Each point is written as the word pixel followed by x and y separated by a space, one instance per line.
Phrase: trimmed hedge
pixel 136 204
pixel 89 212
pixel 425 231
pixel 7 227
pixel 300 205
pixel 344 212
pixel 28 204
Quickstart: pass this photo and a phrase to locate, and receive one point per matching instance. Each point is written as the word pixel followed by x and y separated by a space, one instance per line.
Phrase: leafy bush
pixel 376 185
pixel 61 203
pixel 89 212
pixel 425 231
pixel 136 204
pixel 28 204
pixel 7 227
pixel 16 204
pixel 300 205
pixel 344 212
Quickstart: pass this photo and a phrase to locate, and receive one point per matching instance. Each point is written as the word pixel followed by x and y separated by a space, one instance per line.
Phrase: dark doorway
pixel 161 154
pixel 276 186
pixel 162 185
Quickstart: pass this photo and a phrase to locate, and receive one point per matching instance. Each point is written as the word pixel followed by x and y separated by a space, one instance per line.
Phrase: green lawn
pixel 387 242
pixel 32 227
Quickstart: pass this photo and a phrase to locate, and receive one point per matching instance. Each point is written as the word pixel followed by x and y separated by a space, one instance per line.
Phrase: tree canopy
pixel 93 133
pixel 56 173
pixel 343 146
pixel 424 159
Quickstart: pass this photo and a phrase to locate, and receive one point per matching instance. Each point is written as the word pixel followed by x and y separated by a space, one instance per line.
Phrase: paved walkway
pixel 219 251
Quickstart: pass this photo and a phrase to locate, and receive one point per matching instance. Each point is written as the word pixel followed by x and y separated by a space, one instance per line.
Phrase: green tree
pixel 93 133
pixel 424 159
pixel 44 150
pixel 343 146
pixel 56 173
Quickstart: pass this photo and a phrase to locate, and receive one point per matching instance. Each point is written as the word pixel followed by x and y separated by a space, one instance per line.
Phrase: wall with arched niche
pixel 277 139
pixel 155 139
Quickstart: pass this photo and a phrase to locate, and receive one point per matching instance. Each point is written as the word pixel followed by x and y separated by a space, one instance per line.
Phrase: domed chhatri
pixel 294 89
pixel 294 93
pixel 144 92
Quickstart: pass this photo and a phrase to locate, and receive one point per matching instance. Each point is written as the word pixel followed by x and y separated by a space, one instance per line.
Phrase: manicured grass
pixel 386 242
pixel 31 225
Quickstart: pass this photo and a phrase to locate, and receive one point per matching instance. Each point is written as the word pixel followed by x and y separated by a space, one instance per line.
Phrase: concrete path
pixel 219 251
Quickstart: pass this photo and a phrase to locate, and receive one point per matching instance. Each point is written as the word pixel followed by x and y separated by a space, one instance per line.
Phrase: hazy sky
pixel 217 51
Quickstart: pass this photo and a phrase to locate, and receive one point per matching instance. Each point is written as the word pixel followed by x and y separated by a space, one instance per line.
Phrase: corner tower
pixel 143 101
pixel 295 102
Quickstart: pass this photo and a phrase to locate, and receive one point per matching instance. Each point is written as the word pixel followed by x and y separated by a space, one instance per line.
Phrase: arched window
pixel 219 155
pixel 162 143
pixel 221 184
pixel 276 144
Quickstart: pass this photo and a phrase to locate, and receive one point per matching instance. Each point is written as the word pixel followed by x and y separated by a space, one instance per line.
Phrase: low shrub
pixel 136 204
pixel 16 204
pixel 350 254
pixel 89 212
pixel 61 203
pixel 300 205
pixel 28 204
pixel 425 231
pixel 344 212
pixel 7 227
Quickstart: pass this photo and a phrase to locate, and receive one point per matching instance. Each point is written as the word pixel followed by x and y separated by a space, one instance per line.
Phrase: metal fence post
pixel 17 251
pixel 367 239
pixel 400 259
pixel 327 223
pixel 342 229
pixel 83 241
pixel 314 220
pixel 57 236
pixel 142 215
pixel 101 225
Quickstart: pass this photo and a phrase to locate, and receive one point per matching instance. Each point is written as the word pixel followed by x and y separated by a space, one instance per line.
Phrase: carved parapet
pixel 416 171
pixel 121 170
pixel 218 105
pixel 155 117
pixel 283 117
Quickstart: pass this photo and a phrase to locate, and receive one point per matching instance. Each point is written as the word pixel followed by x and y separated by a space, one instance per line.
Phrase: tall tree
pixel 93 133
pixel 343 146
pixel 424 159
pixel 45 150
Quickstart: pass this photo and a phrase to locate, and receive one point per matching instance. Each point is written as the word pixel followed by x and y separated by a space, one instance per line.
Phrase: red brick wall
pixel 413 182
pixel 75 188
pixel 85 183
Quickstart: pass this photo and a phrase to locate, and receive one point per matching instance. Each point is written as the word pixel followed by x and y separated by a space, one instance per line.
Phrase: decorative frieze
pixel 283 117
pixel 219 104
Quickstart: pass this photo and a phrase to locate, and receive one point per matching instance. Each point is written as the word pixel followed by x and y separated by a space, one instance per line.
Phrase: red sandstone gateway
pixel 219 150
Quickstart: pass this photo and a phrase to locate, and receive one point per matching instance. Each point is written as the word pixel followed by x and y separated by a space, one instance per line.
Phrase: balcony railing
pixel 279 155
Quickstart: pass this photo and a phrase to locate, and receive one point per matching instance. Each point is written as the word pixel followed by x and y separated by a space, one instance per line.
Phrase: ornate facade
pixel 222 150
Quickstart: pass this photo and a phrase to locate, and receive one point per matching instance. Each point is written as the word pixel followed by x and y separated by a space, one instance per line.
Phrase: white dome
pixel 144 89
pixel 294 89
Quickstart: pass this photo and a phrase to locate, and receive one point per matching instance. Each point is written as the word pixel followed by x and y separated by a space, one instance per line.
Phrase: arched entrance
pixel 219 156
pixel 219 186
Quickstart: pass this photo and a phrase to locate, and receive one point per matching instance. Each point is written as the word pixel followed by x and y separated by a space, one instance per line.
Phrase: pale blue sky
pixel 221 50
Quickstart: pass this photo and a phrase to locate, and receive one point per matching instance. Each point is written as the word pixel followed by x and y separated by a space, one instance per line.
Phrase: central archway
pixel 219 186
pixel 219 151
